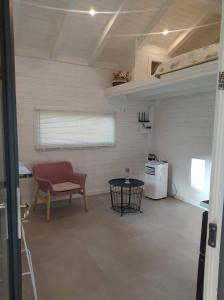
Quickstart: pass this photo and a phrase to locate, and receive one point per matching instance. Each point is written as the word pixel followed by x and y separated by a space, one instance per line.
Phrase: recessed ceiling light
pixel 165 32
pixel 92 12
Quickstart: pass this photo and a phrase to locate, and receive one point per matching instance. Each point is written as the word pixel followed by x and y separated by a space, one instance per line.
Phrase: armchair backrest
pixel 55 172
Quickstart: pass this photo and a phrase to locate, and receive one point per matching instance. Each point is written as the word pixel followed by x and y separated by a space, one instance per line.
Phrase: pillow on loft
pixel 189 59
pixel 175 64
pixel 211 52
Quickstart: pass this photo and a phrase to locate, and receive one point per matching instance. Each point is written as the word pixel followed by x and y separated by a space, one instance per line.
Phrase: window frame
pixel 56 147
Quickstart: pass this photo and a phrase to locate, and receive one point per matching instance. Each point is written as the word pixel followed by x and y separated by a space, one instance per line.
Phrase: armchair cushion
pixel 65 186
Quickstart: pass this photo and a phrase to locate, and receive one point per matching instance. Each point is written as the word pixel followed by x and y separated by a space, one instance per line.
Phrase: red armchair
pixel 58 179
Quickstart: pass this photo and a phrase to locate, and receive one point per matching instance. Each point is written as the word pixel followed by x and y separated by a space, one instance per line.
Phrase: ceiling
pixel 48 30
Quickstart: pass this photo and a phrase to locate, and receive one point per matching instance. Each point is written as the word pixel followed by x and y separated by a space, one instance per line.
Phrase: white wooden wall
pixel 144 58
pixel 183 129
pixel 53 85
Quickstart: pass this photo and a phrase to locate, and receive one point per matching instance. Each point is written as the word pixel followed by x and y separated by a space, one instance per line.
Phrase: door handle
pixel 25 209
pixel 19 206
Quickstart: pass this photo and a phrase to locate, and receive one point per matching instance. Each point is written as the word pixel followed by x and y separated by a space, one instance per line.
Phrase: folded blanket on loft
pixel 189 59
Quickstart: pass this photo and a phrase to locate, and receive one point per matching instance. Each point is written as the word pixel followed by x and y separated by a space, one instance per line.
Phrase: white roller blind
pixel 59 129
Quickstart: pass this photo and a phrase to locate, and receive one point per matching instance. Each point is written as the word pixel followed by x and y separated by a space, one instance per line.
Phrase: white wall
pixel 127 61
pixel 182 127
pixel 53 85
pixel 182 130
pixel 144 58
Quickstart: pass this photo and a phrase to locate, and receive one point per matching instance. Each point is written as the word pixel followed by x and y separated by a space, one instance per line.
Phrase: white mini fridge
pixel 156 179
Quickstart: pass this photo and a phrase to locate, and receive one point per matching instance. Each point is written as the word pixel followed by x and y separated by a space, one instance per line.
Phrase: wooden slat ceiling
pixel 130 24
pixel 52 34
pixel 202 37
pixel 182 14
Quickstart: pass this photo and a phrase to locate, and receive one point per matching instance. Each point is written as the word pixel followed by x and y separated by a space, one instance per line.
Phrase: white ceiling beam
pixel 153 22
pixel 183 37
pixel 101 43
pixel 83 62
pixel 60 37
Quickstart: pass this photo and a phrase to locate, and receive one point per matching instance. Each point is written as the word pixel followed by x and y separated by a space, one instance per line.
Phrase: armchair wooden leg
pixel 70 198
pixel 36 198
pixel 48 205
pixel 85 201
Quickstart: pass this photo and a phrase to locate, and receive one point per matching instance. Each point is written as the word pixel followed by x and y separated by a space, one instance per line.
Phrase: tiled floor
pixel 100 255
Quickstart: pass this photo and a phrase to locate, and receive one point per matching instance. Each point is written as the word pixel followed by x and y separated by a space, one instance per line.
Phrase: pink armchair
pixel 58 179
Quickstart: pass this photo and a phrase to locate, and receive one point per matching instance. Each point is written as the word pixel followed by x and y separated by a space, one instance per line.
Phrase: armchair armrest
pixel 79 178
pixel 44 184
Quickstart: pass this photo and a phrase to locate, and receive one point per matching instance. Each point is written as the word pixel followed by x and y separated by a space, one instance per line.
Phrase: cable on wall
pixel 173 195
pixel 168 31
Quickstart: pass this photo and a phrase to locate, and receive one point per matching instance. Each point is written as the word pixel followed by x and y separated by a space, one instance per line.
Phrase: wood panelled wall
pixel 183 130
pixel 52 85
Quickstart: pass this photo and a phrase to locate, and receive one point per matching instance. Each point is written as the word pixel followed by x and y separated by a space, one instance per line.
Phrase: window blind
pixel 59 129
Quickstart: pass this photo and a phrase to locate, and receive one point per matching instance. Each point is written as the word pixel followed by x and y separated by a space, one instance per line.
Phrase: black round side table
pixel 126 195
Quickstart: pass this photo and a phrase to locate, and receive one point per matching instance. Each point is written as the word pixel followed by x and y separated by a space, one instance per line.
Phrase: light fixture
pixel 165 32
pixel 92 12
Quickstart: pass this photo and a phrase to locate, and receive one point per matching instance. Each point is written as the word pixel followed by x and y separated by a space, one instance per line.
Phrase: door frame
pixel 221 268
pixel 11 149
pixel 216 203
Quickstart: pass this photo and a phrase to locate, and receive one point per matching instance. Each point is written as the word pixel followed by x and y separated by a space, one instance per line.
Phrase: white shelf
pixel 195 80
pixel 145 130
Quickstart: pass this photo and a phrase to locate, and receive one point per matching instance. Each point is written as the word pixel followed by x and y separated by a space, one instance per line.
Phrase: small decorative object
pixel 120 77
pixel 127 180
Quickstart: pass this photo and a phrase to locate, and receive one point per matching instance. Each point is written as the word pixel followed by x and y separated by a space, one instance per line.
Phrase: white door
pixel 217 185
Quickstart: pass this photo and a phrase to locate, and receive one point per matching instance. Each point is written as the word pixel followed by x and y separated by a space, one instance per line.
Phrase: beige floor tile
pixel 100 255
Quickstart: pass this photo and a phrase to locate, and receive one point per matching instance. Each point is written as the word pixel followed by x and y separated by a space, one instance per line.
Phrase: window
pixel 198 173
pixel 154 66
pixel 59 129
